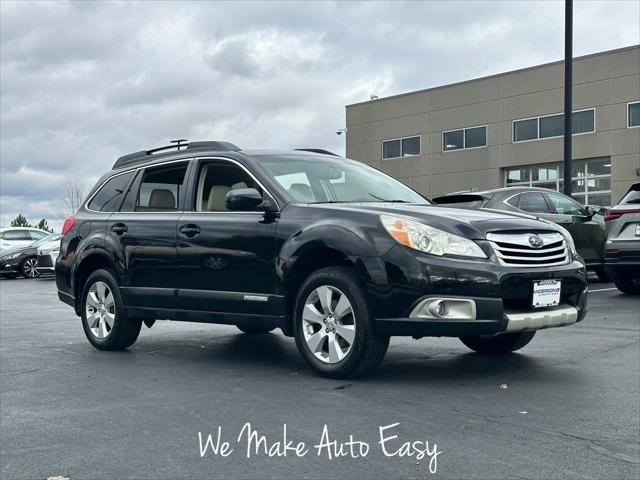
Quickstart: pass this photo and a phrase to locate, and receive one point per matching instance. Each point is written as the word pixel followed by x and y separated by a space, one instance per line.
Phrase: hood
pixel 471 223
pixel 26 249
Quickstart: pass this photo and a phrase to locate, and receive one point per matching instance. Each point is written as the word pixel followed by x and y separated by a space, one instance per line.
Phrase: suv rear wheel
pixel 254 329
pixel 334 327
pixel 103 319
pixel 626 285
pixel 498 344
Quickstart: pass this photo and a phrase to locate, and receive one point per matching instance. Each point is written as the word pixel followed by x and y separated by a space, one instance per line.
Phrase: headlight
pixel 428 239
pixel 567 237
pixel 11 256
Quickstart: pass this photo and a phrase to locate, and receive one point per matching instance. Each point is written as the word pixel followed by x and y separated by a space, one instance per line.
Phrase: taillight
pixel 613 215
pixel 68 225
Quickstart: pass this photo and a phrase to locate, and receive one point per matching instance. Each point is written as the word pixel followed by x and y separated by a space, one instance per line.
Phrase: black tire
pixel 626 285
pixel 28 268
pixel 368 348
pixel 124 331
pixel 499 344
pixel 602 274
pixel 254 329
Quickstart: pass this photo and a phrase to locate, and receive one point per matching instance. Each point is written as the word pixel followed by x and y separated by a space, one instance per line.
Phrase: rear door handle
pixel 190 230
pixel 119 228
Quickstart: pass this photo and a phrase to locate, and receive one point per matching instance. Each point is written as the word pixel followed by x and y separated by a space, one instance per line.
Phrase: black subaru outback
pixel 331 251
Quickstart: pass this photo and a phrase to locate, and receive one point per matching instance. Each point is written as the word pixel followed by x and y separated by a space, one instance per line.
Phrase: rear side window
pixel 16 235
pixel 531 202
pixel 161 187
pixel 632 197
pixel 109 196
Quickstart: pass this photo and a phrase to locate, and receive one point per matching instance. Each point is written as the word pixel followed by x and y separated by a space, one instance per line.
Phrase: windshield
pixel 315 179
pixel 49 238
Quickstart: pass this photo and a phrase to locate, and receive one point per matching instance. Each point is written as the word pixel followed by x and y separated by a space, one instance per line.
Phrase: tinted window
pixel 161 187
pixel 564 206
pixel 475 137
pixel 583 122
pixel 391 149
pixel 525 130
pixel 634 114
pixel 16 235
pixel 108 197
pixel 410 146
pixel 533 202
pixel 453 140
pixel 552 126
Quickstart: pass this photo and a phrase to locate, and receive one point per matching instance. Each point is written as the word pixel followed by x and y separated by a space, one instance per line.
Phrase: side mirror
pixel 243 199
pixel 590 212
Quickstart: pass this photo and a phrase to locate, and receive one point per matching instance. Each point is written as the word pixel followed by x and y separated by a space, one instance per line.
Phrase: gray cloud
pixel 84 82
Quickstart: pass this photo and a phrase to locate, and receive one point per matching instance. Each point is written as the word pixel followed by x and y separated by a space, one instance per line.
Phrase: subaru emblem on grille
pixel 535 241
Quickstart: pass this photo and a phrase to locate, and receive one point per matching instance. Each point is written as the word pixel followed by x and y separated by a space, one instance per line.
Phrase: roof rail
pixel 317 150
pixel 142 155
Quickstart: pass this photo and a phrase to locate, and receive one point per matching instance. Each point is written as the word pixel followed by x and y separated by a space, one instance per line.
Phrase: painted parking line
pixel 603 289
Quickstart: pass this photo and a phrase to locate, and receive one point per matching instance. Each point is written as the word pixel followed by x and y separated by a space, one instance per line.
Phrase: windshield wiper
pixel 386 200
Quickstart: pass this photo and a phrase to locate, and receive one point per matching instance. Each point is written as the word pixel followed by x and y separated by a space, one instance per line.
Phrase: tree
pixel 73 198
pixel 43 225
pixel 20 221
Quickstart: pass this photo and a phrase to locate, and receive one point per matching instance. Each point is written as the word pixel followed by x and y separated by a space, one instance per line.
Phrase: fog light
pixel 445 308
pixel 437 308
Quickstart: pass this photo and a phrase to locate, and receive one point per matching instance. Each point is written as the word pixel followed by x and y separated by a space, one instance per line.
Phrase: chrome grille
pixel 518 250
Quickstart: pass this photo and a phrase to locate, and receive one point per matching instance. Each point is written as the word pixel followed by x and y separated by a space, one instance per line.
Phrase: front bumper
pixel 502 295
pixel 46 263
pixel 8 269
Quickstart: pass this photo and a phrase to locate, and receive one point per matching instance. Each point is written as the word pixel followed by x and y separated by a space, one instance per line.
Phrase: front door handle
pixel 119 228
pixel 190 230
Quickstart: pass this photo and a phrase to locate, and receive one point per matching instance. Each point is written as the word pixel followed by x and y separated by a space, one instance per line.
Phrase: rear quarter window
pixel 108 198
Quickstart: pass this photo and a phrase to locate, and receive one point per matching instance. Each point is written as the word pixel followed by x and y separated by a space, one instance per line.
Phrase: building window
pixel 401 147
pixel 552 126
pixel 472 137
pixel 590 179
pixel 633 114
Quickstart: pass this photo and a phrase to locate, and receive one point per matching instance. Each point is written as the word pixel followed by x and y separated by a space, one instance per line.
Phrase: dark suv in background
pixel 584 223
pixel 329 250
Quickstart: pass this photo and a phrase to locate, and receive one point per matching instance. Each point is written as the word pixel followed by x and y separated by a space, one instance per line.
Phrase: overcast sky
pixel 85 82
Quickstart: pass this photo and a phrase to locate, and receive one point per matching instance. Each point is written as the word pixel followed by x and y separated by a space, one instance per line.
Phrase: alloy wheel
pixel 29 268
pixel 328 324
pixel 100 310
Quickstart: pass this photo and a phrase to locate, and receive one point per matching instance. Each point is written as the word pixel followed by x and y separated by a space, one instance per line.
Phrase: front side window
pixel 108 198
pixel 160 188
pixel 633 114
pixel 401 147
pixel 217 179
pixel 320 180
pixel 564 206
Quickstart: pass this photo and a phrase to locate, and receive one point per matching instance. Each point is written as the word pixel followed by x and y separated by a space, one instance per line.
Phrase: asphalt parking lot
pixel 568 406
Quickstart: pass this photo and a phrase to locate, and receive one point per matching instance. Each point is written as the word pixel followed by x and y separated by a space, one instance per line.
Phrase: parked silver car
pixel 48 251
pixel 622 248
pixel 12 238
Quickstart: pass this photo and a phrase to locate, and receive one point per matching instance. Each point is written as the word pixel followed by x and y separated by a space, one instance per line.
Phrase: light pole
pixel 568 92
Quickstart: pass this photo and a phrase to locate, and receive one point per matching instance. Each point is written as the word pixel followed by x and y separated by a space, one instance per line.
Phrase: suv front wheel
pixel 103 318
pixel 334 327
